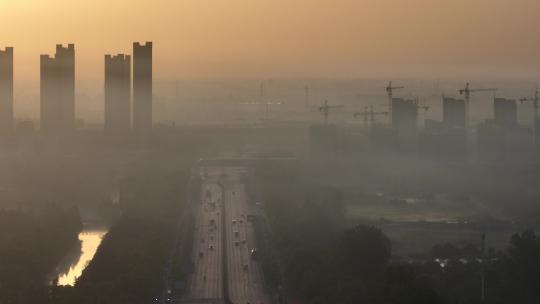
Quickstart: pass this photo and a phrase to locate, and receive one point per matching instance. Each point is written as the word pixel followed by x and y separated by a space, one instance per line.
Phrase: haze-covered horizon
pixel 239 41
pixel 264 38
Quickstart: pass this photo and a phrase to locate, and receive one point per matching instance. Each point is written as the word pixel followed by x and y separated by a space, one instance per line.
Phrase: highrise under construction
pixel 454 112
pixel 404 116
pixel 505 111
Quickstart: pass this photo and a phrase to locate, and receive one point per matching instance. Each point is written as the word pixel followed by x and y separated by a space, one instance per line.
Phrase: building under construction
pixel 502 137
pixel 404 116
pixel 454 112
pixel 505 112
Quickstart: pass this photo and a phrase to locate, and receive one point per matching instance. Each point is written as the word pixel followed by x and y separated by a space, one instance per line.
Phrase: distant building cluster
pixel 501 137
pixel 128 110
pixel 57 92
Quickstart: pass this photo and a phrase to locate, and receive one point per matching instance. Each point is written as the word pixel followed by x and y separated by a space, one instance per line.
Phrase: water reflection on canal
pixel 90 241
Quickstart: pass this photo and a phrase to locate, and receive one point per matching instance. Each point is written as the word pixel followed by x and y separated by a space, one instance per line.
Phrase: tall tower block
pixel 57 91
pixel 117 95
pixel 454 112
pixel 142 89
pixel 6 90
pixel 404 116
pixel 505 111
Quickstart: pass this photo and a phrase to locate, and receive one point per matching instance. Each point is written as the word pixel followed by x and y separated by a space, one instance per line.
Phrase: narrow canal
pixel 75 263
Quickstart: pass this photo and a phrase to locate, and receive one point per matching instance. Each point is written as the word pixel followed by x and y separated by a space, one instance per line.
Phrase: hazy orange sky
pixel 221 38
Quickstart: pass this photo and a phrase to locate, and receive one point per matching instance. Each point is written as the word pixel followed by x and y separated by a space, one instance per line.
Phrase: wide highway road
pixel 224 269
pixel 244 276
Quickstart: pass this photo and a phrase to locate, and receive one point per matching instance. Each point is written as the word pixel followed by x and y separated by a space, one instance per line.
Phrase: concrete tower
pixel 505 111
pixel 6 90
pixel 142 89
pixel 454 112
pixel 404 116
pixel 117 95
pixel 57 91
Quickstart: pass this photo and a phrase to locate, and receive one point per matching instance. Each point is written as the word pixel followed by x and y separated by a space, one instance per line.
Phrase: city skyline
pixel 303 39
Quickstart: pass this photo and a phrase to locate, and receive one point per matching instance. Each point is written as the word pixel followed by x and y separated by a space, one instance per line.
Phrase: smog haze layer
pixel 262 39
pixel 246 38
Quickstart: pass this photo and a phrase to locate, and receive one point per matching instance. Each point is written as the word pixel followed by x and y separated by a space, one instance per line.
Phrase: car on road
pixel 211 247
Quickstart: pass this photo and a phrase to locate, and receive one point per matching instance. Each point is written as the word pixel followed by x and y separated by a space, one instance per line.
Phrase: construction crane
pixel 420 107
pixel 369 115
pixel 535 100
pixel 467 92
pixel 390 90
pixel 325 109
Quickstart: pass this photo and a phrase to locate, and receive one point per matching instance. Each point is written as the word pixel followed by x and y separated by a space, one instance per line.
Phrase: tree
pixel 363 252
pixel 522 266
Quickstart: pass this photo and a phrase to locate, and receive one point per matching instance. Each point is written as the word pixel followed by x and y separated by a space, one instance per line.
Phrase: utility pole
pixel 176 89
pixel 262 100
pixel 483 275
pixel 306 91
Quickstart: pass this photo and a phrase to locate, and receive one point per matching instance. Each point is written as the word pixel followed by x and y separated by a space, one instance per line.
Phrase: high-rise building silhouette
pixel 454 112
pixel 6 90
pixel 142 89
pixel 505 111
pixel 117 95
pixel 404 116
pixel 57 87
